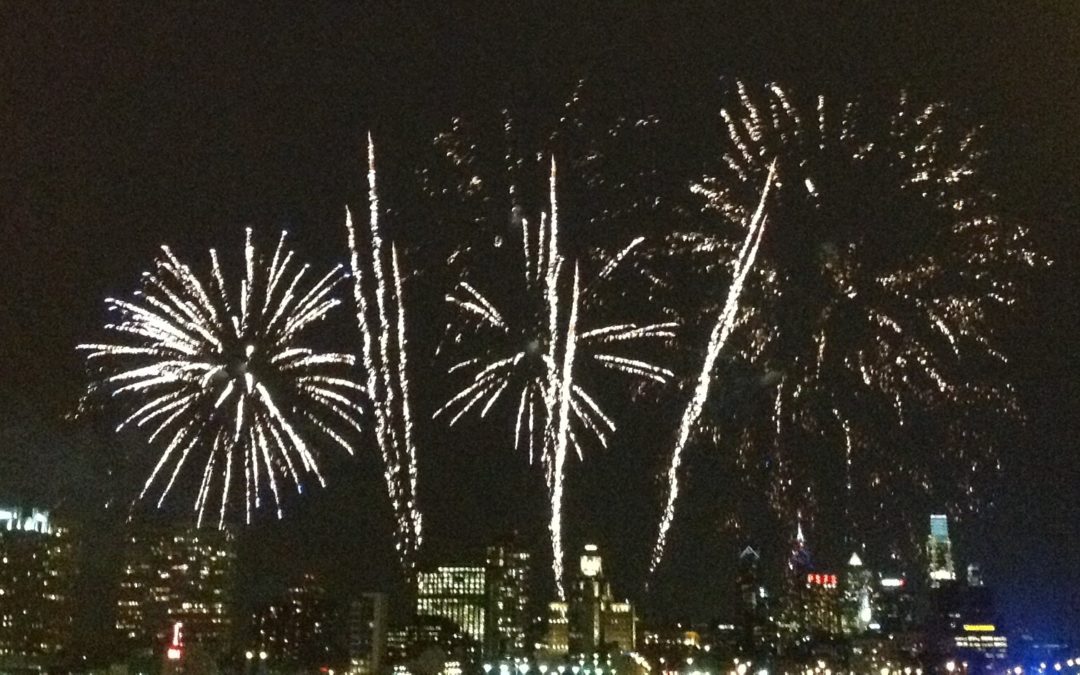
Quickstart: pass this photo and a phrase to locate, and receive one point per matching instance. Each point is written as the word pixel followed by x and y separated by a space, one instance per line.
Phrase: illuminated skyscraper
pixel 176 575
pixel 619 627
pixel 858 597
pixel 821 609
pixel 37 572
pixel 557 638
pixel 302 631
pixel 368 619
pixel 457 594
pixel 595 622
pixel 797 589
pixel 755 623
pixel 895 606
pixel 588 592
pixel 506 580
pixel 939 551
pixel 964 625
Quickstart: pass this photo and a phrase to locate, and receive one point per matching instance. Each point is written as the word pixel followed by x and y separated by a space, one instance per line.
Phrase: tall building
pixel 557 637
pixel 301 631
pixel 620 627
pixel 432 644
pixel 964 626
pixel 858 597
pixel 594 622
pixel 895 605
pixel 939 551
pixel 368 619
pixel 37 570
pixel 755 622
pixel 507 585
pixel 796 590
pixel 176 575
pixel 457 594
pixel 821 609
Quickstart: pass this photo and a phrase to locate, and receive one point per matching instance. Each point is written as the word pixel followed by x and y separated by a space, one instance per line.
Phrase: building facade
pixel 37 573
pixel 456 593
pixel 176 575
pixel 858 597
pixel 939 552
pixel 368 625
pixel 506 614
pixel 302 631
pixel 591 621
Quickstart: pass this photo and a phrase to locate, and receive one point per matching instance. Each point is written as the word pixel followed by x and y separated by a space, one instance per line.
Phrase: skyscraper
pixel 303 630
pixel 506 580
pixel 939 551
pixel 753 602
pixel 895 606
pixel 595 622
pixel 368 619
pixel 858 597
pixel 176 575
pixel 37 569
pixel 456 593
pixel 587 594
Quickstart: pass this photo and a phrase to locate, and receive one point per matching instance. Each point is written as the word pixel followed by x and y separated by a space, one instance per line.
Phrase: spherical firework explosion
pixel 221 382
pixel 868 315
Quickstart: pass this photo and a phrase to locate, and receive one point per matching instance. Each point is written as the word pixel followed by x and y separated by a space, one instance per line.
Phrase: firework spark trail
pixel 877 303
pixel 720 333
pixel 200 375
pixel 550 403
pixel 384 347
pixel 557 456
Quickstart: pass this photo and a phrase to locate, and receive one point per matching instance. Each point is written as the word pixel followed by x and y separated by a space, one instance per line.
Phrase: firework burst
pixel 533 356
pixel 221 380
pixel 380 315
pixel 870 305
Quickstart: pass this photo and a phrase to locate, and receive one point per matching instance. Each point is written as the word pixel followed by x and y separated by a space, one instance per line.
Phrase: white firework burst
pixel 872 301
pixel 532 356
pixel 221 382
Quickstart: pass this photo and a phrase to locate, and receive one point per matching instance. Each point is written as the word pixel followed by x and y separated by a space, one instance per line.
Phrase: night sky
pixel 126 126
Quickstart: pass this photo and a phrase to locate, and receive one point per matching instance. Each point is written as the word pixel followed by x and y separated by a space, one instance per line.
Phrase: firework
pixel 380 315
pixel 718 338
pixel 871 303
pixel 221 380
pixel 535 354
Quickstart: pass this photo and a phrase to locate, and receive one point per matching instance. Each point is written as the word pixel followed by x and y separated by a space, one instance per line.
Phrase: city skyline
pixel 179 145
pixel 177 603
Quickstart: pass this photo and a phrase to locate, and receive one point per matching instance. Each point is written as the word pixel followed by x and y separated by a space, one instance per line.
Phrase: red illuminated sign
pixel 176 649
pixel 821 579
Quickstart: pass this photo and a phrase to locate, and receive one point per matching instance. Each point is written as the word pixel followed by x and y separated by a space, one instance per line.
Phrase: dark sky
pixel 123 126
